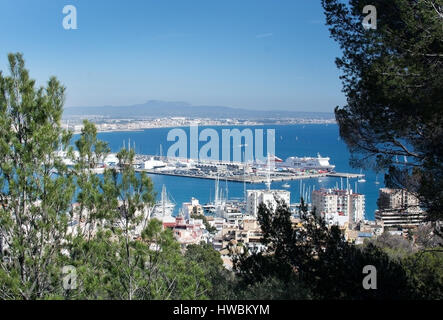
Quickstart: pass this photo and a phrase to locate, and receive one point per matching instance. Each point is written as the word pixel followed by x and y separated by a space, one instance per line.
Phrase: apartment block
pixel 399 208
pixel 268 197
pixel 339 207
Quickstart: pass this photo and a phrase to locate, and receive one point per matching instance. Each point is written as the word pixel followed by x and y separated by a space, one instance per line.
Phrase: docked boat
pixel 286 185
pixel 306 163
pixel 165 207
pixel 153 163
pixel 361 179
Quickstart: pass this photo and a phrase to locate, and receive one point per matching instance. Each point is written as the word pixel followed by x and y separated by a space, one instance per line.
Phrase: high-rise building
pixel 398 199
pixel 398 208
pixel 268 197
pixel 339 206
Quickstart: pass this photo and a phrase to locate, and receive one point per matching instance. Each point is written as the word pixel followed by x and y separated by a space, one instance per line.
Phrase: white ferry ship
pixel 306 163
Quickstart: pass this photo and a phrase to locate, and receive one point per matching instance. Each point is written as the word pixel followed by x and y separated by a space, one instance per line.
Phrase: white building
pixel 190 208
pixel 268 197
pixel 339 207
pixel 153 164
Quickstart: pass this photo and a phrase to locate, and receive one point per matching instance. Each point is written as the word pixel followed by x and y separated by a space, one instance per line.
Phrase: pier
pixel 345 175
pixel 224 170
pixel 246 178
pixel 254 178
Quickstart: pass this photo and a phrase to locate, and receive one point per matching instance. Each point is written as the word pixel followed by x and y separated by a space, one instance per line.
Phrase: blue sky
pixel 254 54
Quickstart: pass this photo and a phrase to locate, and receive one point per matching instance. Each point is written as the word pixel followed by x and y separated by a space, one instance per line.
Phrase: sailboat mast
pixel 163 201
pixel 226 189
pixel 268 172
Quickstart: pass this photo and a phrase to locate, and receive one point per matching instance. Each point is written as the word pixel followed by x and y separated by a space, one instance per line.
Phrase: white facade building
pixel 190 208
pixel 268 197
pixel 339 206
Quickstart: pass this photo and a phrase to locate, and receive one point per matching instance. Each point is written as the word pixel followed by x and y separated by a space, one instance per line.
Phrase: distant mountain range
pixel 156 108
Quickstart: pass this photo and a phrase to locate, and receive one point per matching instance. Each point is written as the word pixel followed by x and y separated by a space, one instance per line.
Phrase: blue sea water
pixel 290 140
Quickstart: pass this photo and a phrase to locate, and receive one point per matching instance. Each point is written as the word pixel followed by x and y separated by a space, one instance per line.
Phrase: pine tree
pixel 36 188
pixel 393 119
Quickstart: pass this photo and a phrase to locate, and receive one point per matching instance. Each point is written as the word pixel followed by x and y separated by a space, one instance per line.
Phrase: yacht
pixel 362 179
pixel 165 207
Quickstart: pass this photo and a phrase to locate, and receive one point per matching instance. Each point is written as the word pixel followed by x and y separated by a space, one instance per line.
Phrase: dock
pixel 345 175
pixel 226 170
pixel 252 178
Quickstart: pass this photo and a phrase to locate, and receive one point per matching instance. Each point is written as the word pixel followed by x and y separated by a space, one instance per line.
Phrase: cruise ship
pixel 306 163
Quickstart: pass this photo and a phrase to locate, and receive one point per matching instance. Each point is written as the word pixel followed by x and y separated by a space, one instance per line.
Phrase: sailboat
pixel 163 208
pixel 362 179
pixel 219 202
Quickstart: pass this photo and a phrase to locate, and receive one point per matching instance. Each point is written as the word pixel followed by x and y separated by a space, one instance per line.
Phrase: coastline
pixel 185 125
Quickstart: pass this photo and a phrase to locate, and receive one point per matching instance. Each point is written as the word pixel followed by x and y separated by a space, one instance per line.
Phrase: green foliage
pixel 35 186
pixel 210 261
pixel 274 289
pixel 392 80
pixel 395 246
pixel 319 261
pixel 425 271
pixel 208 227
pixel 117 252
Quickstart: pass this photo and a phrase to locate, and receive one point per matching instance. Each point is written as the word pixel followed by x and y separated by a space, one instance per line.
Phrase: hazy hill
pixel 155 108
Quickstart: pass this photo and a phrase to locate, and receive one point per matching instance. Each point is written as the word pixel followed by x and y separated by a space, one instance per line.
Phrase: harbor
pixel 274 170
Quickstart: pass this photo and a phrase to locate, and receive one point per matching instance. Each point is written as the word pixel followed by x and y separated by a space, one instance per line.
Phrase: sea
pixel 290 140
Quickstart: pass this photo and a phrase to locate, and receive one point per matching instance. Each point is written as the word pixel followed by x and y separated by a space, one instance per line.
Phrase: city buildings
pixel 192 208
pixel 398 199
pixel 339 207
pixel 189 231
pixel 247 232
pixel 398 209
pixel 269 197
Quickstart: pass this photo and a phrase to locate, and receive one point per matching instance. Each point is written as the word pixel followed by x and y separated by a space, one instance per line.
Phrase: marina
pixel 274 170
pixel 183 183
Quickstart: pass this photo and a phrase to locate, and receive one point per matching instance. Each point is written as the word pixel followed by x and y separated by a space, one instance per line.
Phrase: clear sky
pixel 254 54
